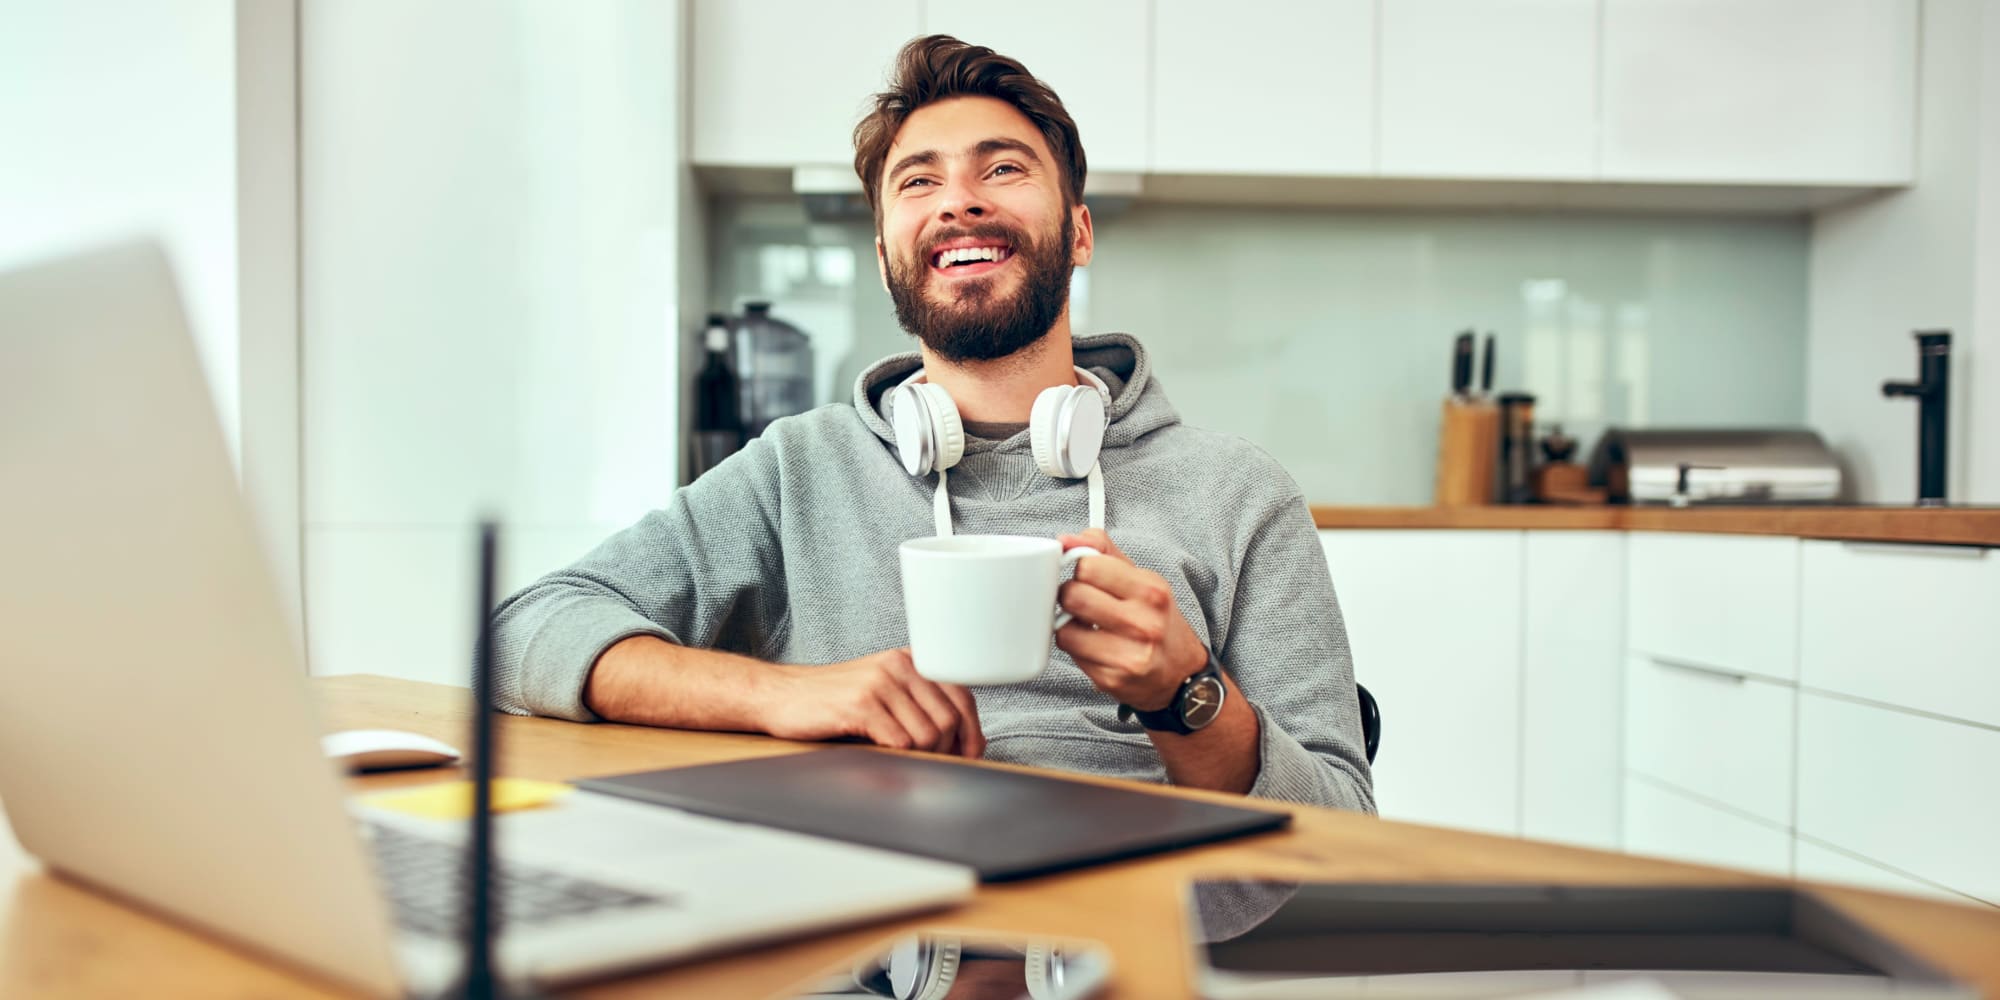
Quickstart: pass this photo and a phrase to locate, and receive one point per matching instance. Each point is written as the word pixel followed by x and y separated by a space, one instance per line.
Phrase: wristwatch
pixel 1195 705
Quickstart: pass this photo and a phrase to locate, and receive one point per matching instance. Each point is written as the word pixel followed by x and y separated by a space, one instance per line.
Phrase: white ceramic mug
pixel 980 606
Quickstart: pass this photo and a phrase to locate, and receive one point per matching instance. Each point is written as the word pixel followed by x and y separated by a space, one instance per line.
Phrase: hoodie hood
pixel 1139 405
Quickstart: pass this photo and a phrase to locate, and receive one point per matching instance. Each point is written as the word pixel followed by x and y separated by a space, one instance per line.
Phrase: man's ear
pixel 881 262
pixel 1086 241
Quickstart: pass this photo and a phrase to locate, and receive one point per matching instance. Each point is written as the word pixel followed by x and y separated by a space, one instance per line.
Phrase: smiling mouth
pixel 966 262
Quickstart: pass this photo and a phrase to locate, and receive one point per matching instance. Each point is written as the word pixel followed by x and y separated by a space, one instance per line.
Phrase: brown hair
pixel 937 67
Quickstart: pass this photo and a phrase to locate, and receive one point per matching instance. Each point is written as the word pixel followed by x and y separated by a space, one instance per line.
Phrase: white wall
pixel 117 118
pixel 1913 260
pixel 1983 375
pixel 175 120
pixel 490 305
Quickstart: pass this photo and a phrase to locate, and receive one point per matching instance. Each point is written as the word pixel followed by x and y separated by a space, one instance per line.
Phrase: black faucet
pixel 1933 391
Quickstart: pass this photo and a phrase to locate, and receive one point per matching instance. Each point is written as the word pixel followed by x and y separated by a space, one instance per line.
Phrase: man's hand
pixel 1140 648
pixel 879 698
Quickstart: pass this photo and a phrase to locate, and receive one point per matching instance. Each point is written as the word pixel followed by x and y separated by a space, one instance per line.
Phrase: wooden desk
pixel 59 940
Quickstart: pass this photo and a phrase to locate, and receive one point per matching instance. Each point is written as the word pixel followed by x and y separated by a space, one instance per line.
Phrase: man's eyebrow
pixel 978 150
pixel 987 147
pixel 926 158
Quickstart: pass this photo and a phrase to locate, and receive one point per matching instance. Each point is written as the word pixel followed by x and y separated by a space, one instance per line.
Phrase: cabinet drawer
pixel 1904 624
pixel 1663 823
pixel 1728 601
pixel 1912 793
pixel 1726 737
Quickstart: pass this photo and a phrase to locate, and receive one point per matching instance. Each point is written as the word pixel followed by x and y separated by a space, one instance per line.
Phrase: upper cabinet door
pixel 1095 56
pixel 1776 91
pixel 1264 87
pixel 1489 89
pixel 782 82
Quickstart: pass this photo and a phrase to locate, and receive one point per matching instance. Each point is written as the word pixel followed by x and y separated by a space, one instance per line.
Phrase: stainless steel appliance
pixel 1717 465
pixel 774 368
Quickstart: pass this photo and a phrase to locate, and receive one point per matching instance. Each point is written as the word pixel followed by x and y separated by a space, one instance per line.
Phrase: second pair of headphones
pixel 1065 427
pixel 924 967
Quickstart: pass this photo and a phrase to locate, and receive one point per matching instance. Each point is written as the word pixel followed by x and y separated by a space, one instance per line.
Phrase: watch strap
pixel 1172 718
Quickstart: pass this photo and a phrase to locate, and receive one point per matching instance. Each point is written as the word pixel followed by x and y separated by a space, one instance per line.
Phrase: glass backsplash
pixel 1325 335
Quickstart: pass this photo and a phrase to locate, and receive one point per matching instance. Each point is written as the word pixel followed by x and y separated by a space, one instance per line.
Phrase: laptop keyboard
pixel 423 878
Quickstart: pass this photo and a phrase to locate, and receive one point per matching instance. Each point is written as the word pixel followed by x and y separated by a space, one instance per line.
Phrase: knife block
pixel 1468 452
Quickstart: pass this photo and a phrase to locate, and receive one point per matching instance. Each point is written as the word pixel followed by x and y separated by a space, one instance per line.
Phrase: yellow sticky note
pixel 453 799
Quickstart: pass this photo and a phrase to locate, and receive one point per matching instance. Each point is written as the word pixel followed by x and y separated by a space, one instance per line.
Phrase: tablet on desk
pixel 1279 940
pixel 1003 824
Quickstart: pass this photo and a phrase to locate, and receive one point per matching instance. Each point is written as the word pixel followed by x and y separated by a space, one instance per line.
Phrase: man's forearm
pixel 650 681
pixel 1223 757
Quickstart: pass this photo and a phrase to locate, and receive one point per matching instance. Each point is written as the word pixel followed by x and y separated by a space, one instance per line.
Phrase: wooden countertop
pixel 1935 526
pixel 59 939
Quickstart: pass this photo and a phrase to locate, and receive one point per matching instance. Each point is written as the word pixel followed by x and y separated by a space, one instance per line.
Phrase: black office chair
pixel 1371 722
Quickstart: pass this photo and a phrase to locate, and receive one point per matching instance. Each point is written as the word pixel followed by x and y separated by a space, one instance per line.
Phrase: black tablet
pixel 1003 824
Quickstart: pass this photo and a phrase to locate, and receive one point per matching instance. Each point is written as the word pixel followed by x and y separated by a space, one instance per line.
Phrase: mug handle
pixel 1069 562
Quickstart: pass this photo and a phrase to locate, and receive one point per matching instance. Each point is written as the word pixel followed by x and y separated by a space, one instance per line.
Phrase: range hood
pixel 833 194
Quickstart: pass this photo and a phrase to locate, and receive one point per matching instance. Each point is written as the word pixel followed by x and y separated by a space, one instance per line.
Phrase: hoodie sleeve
pixel 705 571
pixel 1287 649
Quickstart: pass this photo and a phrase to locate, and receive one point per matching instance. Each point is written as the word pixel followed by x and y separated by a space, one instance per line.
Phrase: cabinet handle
pixel 1718 673
pixel 1918 549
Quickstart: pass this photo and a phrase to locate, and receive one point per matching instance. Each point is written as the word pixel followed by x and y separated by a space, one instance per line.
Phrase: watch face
pixel 1202 702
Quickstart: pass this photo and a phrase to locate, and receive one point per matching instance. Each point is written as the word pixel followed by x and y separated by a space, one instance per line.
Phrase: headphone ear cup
pixel 939 968
pixel 947 431
pixel 913 430
pixel 1040 972
pixel 1066 430
pixel 1042 428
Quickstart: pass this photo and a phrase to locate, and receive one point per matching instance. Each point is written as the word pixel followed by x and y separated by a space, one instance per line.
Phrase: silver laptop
pixel 158 740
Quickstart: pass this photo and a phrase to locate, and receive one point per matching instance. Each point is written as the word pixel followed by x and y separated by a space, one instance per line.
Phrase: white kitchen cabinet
pixel 1434 619
pixel 1095 55
pixel 1913 793
pixel 1666 823
pixel 1725 737
pixel 1728 602
pixel 1231 95
pixel 1489 89
pixel 1815 862
pixel 1774 92
pixel 1572 663
pixel 1909 625
pixel 782 82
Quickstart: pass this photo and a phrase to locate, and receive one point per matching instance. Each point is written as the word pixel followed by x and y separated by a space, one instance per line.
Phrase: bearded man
pixel 1206 647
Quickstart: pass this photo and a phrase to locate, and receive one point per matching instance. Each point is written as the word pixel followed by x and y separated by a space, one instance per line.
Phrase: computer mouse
pixel 386 750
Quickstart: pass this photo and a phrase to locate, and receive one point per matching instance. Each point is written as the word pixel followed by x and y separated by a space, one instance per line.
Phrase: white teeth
pixel 949 257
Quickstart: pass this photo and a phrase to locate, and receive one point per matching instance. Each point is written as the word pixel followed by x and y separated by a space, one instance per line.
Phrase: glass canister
pixel 774 368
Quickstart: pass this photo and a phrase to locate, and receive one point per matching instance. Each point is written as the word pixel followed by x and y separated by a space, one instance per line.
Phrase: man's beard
pixel 979 325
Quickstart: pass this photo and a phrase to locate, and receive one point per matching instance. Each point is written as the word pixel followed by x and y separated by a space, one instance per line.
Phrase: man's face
pixel 976 245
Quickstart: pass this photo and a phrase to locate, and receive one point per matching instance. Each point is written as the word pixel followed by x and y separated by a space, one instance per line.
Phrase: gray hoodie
pixel 787 552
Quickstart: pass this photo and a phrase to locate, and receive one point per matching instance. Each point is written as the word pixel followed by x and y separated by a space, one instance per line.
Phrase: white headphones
pixel 1065 430
pixel 924 968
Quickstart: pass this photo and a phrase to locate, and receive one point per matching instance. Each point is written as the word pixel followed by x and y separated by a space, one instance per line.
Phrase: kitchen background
pixel 452 258
pixel 1323 335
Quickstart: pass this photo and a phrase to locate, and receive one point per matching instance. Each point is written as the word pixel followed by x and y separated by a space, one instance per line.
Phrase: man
pixel 766 597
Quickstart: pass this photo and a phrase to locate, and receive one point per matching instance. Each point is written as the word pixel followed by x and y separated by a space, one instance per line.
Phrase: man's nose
pixel 962 200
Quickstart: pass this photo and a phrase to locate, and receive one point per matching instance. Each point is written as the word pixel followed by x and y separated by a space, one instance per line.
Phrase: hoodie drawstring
pixel 941 501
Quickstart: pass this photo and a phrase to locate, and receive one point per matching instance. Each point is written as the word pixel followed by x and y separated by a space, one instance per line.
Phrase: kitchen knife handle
pixel 1461 364
pixel 1486 369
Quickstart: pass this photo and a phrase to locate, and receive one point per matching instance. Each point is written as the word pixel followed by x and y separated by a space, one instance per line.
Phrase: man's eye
pixel 1006 166
pixel 914 181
